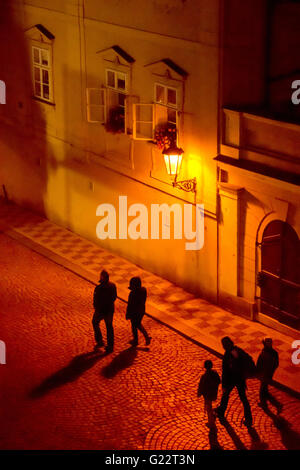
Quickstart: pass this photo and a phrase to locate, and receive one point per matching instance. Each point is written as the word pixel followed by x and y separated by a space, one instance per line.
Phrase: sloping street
pixel 58 393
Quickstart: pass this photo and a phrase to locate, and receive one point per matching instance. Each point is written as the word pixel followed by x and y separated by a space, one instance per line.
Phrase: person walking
pixel 236 367
pixel 267 363
pixel 208 388
pixel 136 309
pixel 105 294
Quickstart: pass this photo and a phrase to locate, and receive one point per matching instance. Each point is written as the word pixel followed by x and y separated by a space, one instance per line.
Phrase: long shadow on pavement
pixel 234 437
pixel 78 365
pixel 124 360
pixel 213 440
pixel 290 438
pixel 256 442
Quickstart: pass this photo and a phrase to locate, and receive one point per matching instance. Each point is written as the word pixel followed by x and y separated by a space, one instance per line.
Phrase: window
pixel 116 83
pixel 159 117
pixel 96 105
pixel 42 73
pixel 165 95
pixel 108 105
pixel 116 80
pixel 143 119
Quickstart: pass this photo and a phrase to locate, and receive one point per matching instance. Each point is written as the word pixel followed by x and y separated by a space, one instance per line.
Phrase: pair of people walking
pixel 105 294
pixel 237 366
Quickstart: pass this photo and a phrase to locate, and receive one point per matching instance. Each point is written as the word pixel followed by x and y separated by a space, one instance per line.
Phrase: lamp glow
pixel 173 159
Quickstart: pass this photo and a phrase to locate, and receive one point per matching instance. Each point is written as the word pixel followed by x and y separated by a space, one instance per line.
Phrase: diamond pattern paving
pixel 172 304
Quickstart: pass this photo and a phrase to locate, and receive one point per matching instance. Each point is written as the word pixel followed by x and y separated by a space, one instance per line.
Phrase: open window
pixel 159 121
pixel 117 85
pixel 153 121
pixel 110 105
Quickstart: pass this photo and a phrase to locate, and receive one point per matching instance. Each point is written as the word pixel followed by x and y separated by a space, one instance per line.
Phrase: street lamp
pixel 173 159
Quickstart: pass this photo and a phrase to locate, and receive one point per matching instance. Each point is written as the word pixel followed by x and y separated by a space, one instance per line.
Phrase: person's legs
pixel 109 330
pixel 134 332
pixel 209 411
pixel 144 332
pixel 97 332
pixel 247 409
pixel 263 392
pixel 224 401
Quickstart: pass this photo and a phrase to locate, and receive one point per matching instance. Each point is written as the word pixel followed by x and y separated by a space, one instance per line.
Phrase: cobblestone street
pixel 58 393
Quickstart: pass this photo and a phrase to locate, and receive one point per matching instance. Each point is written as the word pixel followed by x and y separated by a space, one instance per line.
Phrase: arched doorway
pixel 279 278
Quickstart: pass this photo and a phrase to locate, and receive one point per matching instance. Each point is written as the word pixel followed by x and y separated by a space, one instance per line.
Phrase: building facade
pixel 94 90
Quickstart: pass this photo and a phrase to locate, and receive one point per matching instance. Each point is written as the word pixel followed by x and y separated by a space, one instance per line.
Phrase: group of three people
pixel 105 294
pixel 237 366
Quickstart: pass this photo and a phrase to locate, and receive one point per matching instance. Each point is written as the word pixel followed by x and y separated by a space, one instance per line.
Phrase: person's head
pixel 227 343
pixel 135 283
pixel 208 365
pixel 104 276
pixel 267 342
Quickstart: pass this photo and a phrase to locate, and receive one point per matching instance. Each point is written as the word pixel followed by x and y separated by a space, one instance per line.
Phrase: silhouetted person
pixel 105 295
pixel 267 363
pixel 208 388
pixel 234 373
pixel 136 309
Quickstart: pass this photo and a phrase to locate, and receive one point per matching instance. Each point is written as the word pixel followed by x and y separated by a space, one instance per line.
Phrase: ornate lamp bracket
pixel 186 185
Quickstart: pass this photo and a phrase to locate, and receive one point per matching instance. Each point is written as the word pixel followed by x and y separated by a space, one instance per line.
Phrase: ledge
pixel 261 169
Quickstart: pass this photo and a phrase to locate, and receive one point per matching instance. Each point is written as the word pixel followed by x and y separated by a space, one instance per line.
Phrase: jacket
pixel 136 303
pixel 267 363
pixel 208 385
pixel 233 367
pixel 105 295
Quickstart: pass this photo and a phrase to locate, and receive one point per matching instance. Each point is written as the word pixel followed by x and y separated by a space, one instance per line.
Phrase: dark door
pixel 279 279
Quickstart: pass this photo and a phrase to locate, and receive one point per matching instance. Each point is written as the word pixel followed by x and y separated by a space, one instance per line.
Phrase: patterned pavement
pixel 58 393
pixel 196 318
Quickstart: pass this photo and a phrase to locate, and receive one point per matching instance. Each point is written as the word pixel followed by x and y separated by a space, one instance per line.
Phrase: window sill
pixel 40 100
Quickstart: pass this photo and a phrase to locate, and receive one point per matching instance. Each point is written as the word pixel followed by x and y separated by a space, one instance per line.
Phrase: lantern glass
pixel 173 160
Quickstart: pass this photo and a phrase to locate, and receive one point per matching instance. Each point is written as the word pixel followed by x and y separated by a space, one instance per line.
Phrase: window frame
pixel 166 88
pixel 118 91
pixel 115 88
pixel 90 104
pixel 137 121
pixel 42 67
pixel 167 106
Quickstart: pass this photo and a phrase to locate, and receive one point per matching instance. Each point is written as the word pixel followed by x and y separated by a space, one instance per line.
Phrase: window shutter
pixel 166 116
pixel 96 104
pixel 130 100
pixel 143 121
pixel 161 114
pixel 179 123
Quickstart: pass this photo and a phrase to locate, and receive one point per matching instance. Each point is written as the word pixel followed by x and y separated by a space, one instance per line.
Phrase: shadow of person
pixel 234 437
pixel 142 348
pixel 71 372
pixel 124 360
pixel 213 439
pixel 290 438
pixel 273 400
pixel 256 442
